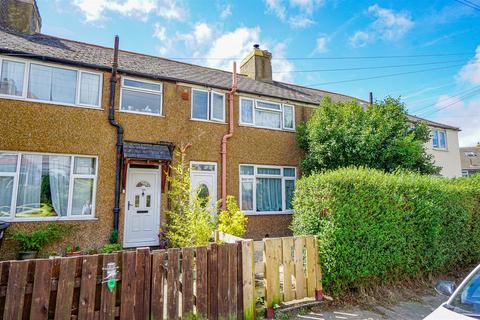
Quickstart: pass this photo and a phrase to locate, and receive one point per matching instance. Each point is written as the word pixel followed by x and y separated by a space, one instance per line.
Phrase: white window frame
pixel 256 107
pixel 437 133
pixel 141 90
pixel 209 106
pixel 73 176
pixel 26 77
pixel 254 177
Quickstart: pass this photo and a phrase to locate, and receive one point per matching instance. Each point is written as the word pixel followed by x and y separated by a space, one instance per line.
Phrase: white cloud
pixel 307 6
pixel 226 11
pixel 470 73
pixel 282 64
pixel 300 21
pixel 445 101
pixel 360 39
pixel 95 10
pixel 388 25
pixel 321 44
pixel 277 7
pixel 160 32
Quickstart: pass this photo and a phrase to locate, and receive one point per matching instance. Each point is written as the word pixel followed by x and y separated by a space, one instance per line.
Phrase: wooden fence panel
pixel 172 283
pixel 158 283
pixel 187 281
pixel 311 266
pixel 66 282
pixel 88 287
pixel 15 295
pixel 212 281
pixel 300 282
pixel 41 290
pixel 288 269
pixel 201 282
pixel 248 279
pixel 318 272
pixel 107 302
pixel 142 289
pixel 127 310
pixel 272 258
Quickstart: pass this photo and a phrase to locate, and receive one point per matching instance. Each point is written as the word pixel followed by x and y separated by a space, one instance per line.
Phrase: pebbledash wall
pixel 31 126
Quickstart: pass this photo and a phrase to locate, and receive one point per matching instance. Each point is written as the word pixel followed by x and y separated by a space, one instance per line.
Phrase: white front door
pixel 203 178
pixel 142 208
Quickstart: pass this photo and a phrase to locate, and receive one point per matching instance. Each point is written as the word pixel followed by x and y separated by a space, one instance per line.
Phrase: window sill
pixel 268 213
pixel 440 149
pixel 49 219
pixel 266 128
pixel 209 121
pixel 142 113
pixel 61 104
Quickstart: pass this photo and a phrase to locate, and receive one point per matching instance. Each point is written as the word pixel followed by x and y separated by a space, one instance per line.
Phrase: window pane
pixel 288 117
pixel 141 101
pixel 269 194
pixel 246 170
pixel 11 81
pixel 52 84
pixel 8 162
pixel 274 171
pixel 289 172
pixel 443 140
pixel 246 110
pixel 203 167
pixel 218 106
pixel 89 89
pixel 247 195
pixel 289 188
pixel 6 189
pixel 82 196
pixel 200 105
pixel 268 119
pixel 435 138
pixel 84 165
pixel 141 84
pixel 268 105
pixel 43 186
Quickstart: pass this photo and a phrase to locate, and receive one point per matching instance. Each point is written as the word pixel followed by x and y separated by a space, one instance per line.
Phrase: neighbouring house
pixel 470 160
pixel 443 146
pixel 87 134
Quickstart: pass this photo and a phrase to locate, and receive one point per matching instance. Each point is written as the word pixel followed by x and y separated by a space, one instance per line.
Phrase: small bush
pixel 232 220
pixel 375 227
pixel 37 239
pixel 111 247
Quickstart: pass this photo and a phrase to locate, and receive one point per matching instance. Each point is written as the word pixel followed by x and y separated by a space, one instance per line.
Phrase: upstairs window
pixel 266 114
pixel 208 105
pixel 141 97
pixel 47 83
pixel 439 139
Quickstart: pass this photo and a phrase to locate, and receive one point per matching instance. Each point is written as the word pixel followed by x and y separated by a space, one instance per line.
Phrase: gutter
pixel 119 145
pixel 228 135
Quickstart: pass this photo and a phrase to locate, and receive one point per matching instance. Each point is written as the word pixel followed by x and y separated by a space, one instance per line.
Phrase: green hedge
pixel 375 227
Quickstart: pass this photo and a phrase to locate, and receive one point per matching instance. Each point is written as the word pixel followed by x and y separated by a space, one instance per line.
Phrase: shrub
pixel 37 239
pixel 375 227
pixel 232 220
pixel 189 217
pixel 111 247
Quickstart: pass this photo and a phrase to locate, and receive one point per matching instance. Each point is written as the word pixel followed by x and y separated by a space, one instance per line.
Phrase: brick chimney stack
pixel 257 64
pixel 20 15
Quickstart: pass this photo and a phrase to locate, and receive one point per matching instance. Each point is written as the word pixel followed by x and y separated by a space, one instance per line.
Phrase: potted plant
pixel 34 241
pixel 53 255
pixel 73 251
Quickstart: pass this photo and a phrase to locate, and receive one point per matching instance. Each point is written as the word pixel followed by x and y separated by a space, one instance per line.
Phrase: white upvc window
pixel 208 105
pixel 49 83
pixel 266 114
pixel 140 96
pixel 38 186
pixel 439 138
pixel 267 189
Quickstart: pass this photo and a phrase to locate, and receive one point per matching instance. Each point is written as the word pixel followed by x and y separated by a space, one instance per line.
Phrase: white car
pixel 464 301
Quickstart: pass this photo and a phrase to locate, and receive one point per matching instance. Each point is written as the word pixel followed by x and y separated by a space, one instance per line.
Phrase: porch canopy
pixel 147 151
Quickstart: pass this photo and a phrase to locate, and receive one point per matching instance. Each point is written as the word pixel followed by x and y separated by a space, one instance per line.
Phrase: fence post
pixel 318 272
pixel 248 279
pixel 272 255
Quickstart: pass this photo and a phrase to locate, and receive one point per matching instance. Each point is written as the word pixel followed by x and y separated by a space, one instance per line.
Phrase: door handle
pixel 128 205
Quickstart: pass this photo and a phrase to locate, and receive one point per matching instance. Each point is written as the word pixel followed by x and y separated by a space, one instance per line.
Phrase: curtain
pixel 200 105
pixel 89 87
pixel 59 175
pixel 289 189
pixel 29 184
pixel 247 111
pixel 12 78
pixel 269 194
pixel 6 189
pixel 268 119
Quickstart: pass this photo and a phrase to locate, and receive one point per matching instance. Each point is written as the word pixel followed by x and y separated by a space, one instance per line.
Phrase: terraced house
pixel 87 134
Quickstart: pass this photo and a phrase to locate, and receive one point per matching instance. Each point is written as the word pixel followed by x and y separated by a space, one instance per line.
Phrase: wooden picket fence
pixel 163 284
pixel 291 270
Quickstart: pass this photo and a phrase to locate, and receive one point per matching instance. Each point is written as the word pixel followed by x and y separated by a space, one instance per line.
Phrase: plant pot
pixel 27 255
pixel 74 253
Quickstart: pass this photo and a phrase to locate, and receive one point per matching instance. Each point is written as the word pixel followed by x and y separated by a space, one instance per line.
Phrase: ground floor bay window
pixel 266 189
pixel 37 186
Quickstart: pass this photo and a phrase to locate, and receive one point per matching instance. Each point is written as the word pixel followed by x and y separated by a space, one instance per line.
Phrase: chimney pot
pixel 257 64
pixel 256 46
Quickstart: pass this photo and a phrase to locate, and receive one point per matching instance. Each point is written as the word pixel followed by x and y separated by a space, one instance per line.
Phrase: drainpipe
pixel 229 134
pixel 113 122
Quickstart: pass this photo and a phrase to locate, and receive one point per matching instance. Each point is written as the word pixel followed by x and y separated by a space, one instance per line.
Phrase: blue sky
pixel 440 82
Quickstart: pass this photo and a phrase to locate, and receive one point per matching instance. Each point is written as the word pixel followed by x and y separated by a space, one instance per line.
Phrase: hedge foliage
pixel 376 227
